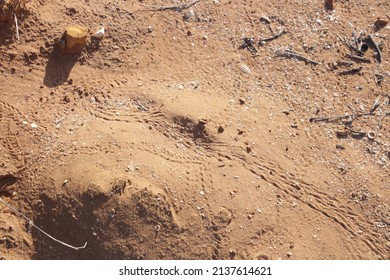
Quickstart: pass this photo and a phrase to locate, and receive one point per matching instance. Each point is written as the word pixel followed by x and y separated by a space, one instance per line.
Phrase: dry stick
pixel 45 233
pixel 16 26
pixel 351 71
pixel 324 119
pixel 375 46
pixel 291 54
pixel 355 131
pixel 358 58
pixel 350 46
pixel 176 7
pixel 277 35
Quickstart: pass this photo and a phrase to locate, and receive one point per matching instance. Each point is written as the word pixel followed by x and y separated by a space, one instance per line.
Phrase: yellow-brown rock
pixel 75 38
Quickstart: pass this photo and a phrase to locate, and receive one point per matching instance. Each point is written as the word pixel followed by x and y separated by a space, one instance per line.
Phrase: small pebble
pixel 340 147
pixel 245 69
pixel 33 125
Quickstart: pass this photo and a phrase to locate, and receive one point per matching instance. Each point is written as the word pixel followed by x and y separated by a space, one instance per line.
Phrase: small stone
pixel 289 254
pixel 205 37
pixel 202 193
pixel 242 101
pixel 220 129
pixel 294 125
pixel 340 147
pixel 189 15
pixel 380 23
pixel 66 99
pixel 244 68
pixel 329 4
pixel 34 125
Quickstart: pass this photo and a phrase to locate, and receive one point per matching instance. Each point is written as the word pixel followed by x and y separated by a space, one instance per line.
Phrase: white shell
pixel 99 33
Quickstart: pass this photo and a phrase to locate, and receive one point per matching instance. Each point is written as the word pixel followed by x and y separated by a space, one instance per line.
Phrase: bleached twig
pixel 290 54
pixel 178 8
pixel 16 26
pixel 41 230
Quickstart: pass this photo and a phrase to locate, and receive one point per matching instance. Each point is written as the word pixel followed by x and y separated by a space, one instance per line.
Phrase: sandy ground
pixel 166 140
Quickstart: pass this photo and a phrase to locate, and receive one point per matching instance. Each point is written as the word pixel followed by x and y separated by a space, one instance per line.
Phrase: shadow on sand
pixel 58 67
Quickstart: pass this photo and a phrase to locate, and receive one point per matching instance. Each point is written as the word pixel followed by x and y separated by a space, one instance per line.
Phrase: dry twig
pixel 291 54
pixel 41 230
pixel 277 35
pixel 371 41
pixel 336 118
pixel 351 71
pixel 358 58
pixel 177 8
pixel 16 26
pixel 350 46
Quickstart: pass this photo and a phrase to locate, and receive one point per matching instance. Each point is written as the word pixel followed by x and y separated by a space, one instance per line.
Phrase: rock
pixel 244 68
pixel 99 34
pixel 75 39
pixel 31 55
pixel 380 23
pixel 329 4
pixel 188 16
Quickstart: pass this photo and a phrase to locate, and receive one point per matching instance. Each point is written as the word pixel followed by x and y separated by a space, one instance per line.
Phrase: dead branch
pixel 371 41
pixel 277 35
pixel 351 71
pixel 336 118
pixel 291 54
pixel 177 8
pixel 41 230
pixel 358 58
pixel 350 46
pixel 357 133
